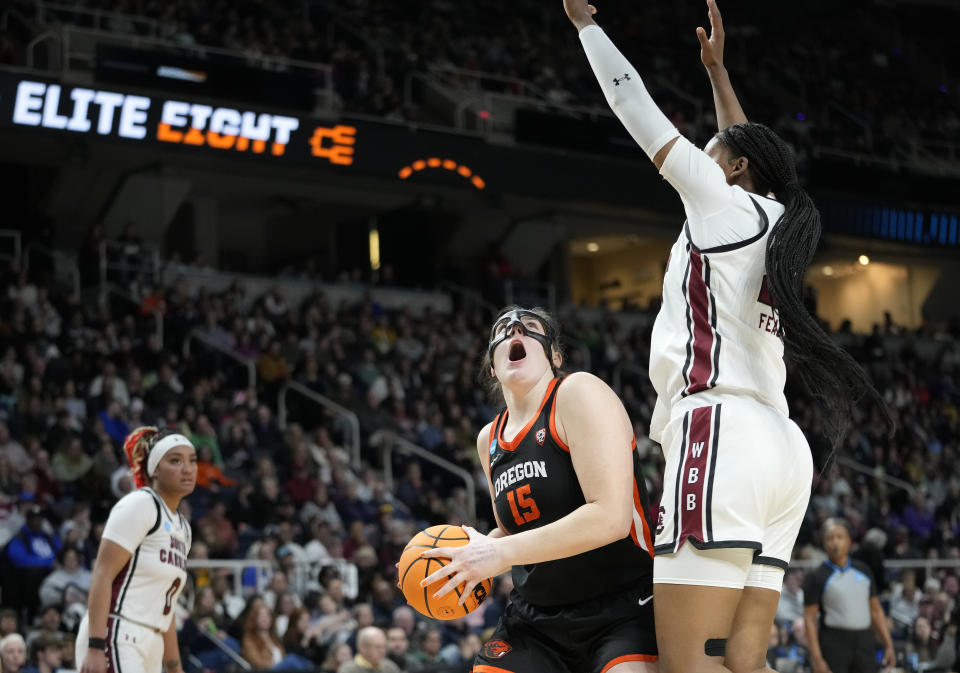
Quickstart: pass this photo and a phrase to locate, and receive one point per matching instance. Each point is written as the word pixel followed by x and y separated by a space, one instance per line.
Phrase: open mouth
pixel 517 351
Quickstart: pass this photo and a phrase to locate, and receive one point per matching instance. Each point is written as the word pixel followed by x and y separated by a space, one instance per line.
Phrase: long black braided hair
pixel 829 374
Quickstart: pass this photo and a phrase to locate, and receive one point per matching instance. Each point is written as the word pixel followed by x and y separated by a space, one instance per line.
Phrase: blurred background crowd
pixel 321 534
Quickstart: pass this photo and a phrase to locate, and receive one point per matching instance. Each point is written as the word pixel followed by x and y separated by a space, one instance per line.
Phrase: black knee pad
pixel 715 647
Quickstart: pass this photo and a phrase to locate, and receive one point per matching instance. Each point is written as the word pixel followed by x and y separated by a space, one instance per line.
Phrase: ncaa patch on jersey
pixel 495 649
pixel 541 435
pixel 493 447
pixel 166 526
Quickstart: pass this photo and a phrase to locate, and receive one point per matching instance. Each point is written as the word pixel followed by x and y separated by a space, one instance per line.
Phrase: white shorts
pixel 131 648
pixel 737 476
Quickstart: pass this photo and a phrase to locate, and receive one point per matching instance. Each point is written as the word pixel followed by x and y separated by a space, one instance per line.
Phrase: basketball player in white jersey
pixel 141 567
pixel 738 470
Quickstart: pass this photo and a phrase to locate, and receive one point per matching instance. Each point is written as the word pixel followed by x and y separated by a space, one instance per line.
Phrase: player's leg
pixel 696 594
pixel 747 644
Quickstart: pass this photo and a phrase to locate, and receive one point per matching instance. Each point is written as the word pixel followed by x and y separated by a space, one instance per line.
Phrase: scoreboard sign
pixel 31 103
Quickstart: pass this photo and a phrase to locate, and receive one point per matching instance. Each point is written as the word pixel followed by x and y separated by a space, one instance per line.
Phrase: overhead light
pixel 864 260
pixel 374 241
pixel 593 246
pixel 828 271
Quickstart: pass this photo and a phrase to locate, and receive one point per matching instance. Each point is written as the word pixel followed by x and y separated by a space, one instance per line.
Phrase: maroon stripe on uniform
pixel 702 331
pixel 117 586
pixel 110 651
pixel 694 477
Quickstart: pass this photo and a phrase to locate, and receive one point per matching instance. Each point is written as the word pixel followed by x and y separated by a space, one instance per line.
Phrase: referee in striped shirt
pixel 841 610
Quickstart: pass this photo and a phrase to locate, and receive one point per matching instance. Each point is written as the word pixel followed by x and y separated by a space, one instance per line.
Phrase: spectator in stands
pixel 905 602
pixel 48 623
pixel 13 451
pixel 301 638
pixel 69 572
pixel 431 642
pixel 225 534
pixel 790 606
pixel 45 655
pixel 203 624
pixel 398 650
pixel 70 463
pixel 841 607
pixel 13 653
pixel 32 553
pixel 930 655
pixel 337 656
pixel 371 654
pixel 209 476
pixel 260 645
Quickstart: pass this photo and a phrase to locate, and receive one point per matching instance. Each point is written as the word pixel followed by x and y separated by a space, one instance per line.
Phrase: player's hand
pixel 579 12
pixel 820 665
pixel 711 48
pixel 94 661
pixel 889 657
pixel 479 559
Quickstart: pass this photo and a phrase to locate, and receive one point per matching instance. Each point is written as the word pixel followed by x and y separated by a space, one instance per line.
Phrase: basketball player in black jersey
pixel 570 504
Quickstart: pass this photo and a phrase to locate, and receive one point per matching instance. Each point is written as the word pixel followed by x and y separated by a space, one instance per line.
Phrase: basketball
pixel 412 570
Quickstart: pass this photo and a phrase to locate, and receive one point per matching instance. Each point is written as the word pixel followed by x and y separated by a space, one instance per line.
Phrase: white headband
pixel 162 447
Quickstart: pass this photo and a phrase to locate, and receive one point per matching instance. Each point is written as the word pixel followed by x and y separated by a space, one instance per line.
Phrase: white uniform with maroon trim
pixel 145 591
pixel 738 470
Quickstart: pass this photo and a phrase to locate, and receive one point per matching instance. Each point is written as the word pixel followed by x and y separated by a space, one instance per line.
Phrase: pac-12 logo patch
pixel 496 649
pixel 541 435
pixel 660 514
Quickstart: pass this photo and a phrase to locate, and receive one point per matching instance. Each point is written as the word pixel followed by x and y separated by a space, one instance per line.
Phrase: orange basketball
pixel 412 570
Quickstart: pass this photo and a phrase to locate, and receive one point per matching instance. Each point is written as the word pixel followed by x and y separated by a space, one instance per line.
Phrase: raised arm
pixel 622 86
pixel 725 100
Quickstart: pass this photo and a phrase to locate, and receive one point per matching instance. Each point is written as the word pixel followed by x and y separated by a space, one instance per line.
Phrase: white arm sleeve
pixel 625 92
pixel 130 520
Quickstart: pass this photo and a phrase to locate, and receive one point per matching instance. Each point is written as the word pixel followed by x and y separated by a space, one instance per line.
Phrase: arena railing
pixel 198 334
pixel 341 412
pixel 470 299
pixel 147 256
pixel 77 46
pixel 52 12
pixel 14 236
pixel 304 572
pixel 474 100
pixel 223 647
pixel 388 441
pixel 927 565
pixel 64 265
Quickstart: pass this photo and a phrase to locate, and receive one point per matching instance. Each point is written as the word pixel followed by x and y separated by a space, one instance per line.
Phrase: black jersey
pixel 534 484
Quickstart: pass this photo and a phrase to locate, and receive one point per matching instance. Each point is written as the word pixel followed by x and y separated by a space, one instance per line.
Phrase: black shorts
pixel 848 651
pixel 588 637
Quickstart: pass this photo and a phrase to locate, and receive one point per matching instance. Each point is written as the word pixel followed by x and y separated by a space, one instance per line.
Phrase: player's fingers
pixel 439 575
pixel 448 587
pixel 439 552
pixel 716 20
pixel 704 40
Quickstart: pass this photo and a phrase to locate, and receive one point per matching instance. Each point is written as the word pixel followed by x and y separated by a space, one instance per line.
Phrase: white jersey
pixel 717 332
pixel 145 591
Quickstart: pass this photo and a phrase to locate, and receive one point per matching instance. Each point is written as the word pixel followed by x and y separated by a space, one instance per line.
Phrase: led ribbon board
pixel 31 103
